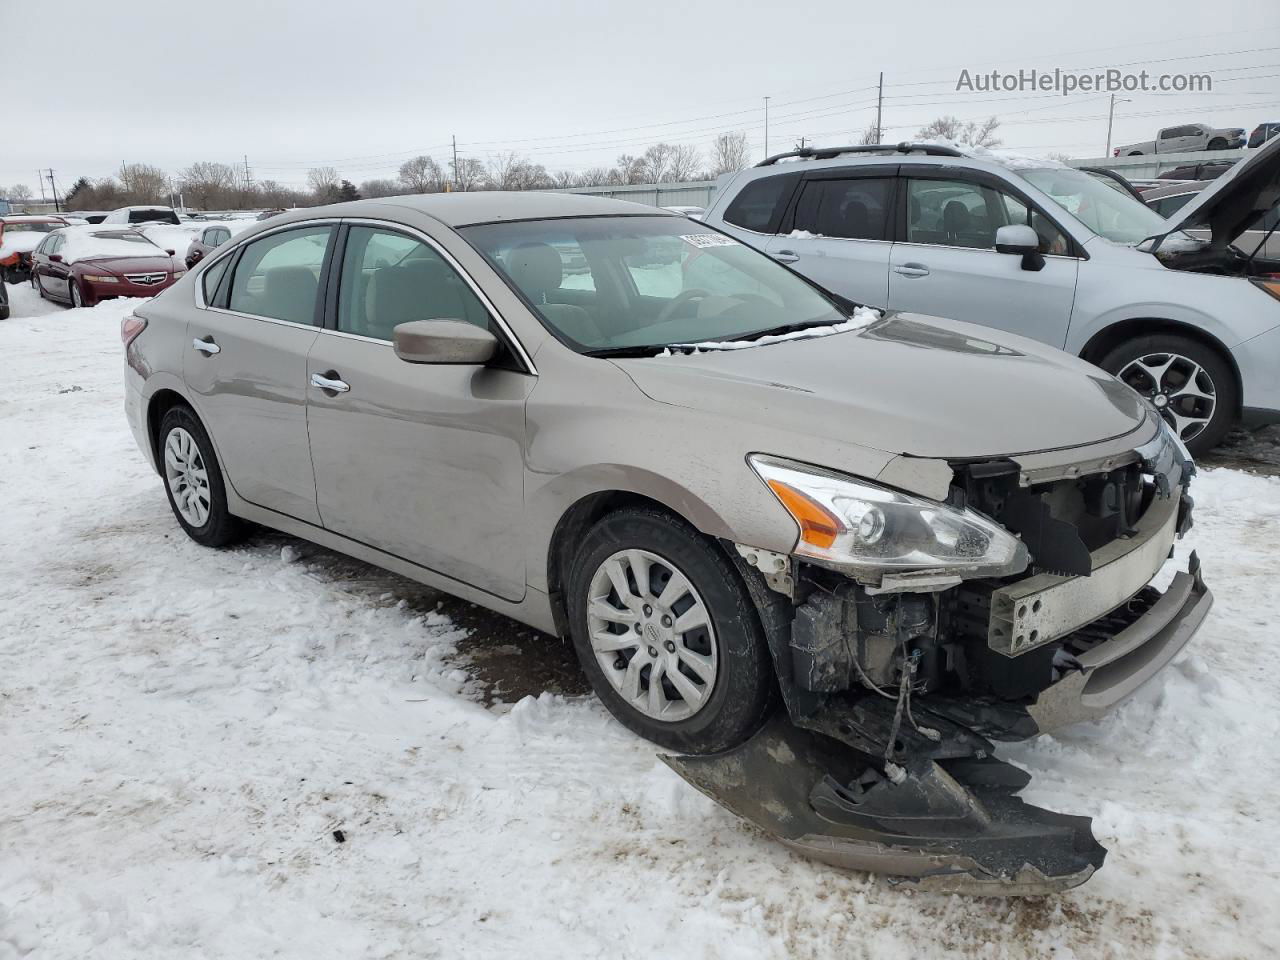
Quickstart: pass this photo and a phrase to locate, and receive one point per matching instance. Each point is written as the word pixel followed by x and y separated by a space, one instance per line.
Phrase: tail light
pixel 1269 283
pixel 130 327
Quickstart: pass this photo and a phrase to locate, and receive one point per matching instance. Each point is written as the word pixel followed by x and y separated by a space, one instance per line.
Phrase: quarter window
pixel 212 277
pixel 759 205
pixel 855 209
pixel 279 275
pixel 389 278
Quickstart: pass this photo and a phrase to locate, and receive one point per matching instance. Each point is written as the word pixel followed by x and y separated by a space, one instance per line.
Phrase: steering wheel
pixel 680 299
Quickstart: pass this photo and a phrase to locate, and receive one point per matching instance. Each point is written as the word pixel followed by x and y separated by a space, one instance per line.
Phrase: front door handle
pixel 206 346
pixel 912 270
pixel 331 383
pixel 786 256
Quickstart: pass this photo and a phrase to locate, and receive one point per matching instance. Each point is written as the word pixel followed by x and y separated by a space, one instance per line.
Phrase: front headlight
pixel 867 530
pixel 95 278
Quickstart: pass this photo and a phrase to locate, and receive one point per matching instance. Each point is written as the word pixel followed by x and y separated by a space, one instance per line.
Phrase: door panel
pixel 247 367
pixel 839 237
pixel 422 461
pixel 251 395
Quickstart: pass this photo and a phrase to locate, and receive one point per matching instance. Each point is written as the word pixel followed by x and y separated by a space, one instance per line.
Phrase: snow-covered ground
pixel 185 733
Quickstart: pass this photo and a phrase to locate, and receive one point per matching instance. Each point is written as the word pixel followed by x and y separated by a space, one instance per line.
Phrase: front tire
pixel 35 282
pixel 1191 384
pixel 667 633
pixel 193 481
pixel 77 299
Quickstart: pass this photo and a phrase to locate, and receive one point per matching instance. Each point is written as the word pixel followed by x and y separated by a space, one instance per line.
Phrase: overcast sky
pixel 363 86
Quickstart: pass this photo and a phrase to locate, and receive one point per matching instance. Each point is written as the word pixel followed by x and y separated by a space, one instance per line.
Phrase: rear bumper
pixel 1112 670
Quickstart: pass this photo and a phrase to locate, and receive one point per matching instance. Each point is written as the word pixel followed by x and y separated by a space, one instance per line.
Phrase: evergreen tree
pixel 348 191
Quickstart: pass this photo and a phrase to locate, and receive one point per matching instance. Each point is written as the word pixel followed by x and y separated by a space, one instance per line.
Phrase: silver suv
pixel 618 425
pixel 1045 251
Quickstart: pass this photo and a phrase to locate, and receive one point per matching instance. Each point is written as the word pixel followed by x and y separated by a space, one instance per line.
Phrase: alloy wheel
pixel 1180 389
pixel 188 480
pixel 76 299
pixel 652 635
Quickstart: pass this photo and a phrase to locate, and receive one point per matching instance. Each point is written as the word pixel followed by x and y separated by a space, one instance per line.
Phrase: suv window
pixel 758 206
pixel 389 278
pixel 1167 206
pixel 212 277
pixel 956 213
pixel 279 275
pixel 854 209
pixel 153 216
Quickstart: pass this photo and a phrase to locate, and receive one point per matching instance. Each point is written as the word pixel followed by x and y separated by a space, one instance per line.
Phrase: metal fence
pixel 1147 166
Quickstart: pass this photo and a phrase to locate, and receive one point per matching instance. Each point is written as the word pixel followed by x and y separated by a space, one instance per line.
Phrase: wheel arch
pixel 160 403
pixel 1108 338
pixel 573 526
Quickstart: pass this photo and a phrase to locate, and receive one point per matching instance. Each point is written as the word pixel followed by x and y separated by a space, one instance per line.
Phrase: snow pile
pixel 861 317
pixel 237 754
pixel 19 241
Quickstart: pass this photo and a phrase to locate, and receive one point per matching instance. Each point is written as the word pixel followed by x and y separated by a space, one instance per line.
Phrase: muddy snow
pixel 239 754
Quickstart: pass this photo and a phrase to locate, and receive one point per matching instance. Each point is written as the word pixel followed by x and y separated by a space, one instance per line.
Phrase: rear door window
pixel 759 205
pixel 279 275
pixel 853 209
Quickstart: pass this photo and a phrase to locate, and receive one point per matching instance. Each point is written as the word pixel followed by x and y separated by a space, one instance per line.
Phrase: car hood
pixel 122 265
pixel 1235 200
pixel 905 384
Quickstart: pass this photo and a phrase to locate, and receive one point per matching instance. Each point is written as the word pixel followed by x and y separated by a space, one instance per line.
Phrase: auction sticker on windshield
pixel 709 240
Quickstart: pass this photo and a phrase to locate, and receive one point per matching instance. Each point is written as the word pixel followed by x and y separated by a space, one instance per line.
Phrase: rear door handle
pixel 912 270
pixel 786 256
pixel 331 384
pixel 206 346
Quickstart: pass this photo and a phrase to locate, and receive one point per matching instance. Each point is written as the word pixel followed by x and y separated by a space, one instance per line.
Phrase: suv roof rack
pixel 826 153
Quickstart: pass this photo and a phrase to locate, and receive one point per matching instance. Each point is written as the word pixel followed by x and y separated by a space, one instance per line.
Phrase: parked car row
pixel 1045 251
pixel 19 236
pixel 83 265
pixel 1186 138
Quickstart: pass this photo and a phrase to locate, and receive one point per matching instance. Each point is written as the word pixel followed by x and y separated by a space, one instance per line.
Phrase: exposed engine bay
pixel 897 686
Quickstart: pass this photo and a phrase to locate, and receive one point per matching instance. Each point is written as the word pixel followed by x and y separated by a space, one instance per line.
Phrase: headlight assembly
pixel 867 531
pixel 103 278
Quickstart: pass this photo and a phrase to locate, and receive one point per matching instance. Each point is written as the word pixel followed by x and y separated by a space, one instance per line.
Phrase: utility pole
pixel 455 161
pixel 1111 115
pixel 54 187
pixel 766 127
pixel 879 106
pixel 801 142
pixel 248 177
pixel 40 180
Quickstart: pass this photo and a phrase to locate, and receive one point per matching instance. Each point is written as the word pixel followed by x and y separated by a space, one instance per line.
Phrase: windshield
pixel 1108 212
pixel 607 283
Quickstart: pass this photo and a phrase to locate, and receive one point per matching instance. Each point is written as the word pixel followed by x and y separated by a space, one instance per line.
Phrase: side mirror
pixel 444 341
pixel 1020 239
pixel 170 252
pixel 55 257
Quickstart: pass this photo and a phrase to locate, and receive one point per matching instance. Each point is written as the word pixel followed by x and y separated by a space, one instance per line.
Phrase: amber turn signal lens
pixel 1271 286
pixel 818 526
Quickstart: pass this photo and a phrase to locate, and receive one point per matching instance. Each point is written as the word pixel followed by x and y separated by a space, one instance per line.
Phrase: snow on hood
pixel 98 240
pixel 861 317
pixel 20 242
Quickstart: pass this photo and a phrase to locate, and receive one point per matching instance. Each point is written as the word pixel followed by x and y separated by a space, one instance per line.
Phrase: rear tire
pixel 35 282
pixel 1194 380
pixel 193 480
pixel 723 686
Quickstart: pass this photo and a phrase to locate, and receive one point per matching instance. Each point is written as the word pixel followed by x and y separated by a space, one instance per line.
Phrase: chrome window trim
pixel 525 359
pixel 951 246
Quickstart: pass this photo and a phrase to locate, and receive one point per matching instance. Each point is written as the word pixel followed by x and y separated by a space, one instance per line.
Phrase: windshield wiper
pixel 785 329
pixel 647 350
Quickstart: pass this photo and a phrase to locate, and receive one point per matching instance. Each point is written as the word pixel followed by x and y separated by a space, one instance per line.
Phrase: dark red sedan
pixel 82 265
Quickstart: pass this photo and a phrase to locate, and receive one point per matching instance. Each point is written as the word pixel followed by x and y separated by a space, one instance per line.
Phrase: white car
pixel 1043 250
pixel 143 213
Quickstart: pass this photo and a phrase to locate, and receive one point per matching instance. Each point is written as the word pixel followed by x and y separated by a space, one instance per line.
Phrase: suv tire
pixel 1129 359
pixel 731 691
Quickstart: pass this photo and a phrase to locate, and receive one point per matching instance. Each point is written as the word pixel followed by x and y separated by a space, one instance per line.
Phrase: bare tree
pixel 630 169
pixel 143 183
pixel 381 188
pixel 564 179
pixel 423 175
pixel 510 171
pixel 595 177
pixel 729 153
pixel 324 183
pixel 685 161
pixel 870 135
pixel 468 173
pixel 19 193
pixel 971 132
pixel 209 185
pixel 273 194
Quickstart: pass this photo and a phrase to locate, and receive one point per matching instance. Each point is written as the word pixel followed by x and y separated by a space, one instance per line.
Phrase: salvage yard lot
pixel 275 751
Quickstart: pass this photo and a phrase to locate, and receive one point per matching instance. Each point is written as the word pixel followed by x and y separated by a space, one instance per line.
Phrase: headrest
pixel 536 268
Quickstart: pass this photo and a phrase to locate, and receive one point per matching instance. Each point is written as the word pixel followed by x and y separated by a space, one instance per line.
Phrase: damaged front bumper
pixel 858 777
